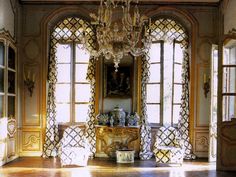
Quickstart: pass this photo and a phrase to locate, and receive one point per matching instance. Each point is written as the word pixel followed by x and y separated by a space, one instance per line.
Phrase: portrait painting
pixel 117 84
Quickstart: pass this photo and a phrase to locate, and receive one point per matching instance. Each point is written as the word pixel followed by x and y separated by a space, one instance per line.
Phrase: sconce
pixel 29 82
pixel 206 85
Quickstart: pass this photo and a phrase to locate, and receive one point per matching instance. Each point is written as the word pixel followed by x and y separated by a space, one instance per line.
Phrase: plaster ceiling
pixel 156 1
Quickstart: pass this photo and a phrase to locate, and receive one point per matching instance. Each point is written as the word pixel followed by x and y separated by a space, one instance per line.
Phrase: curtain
pixel 52 136
pixel 145 129
pixel 65 31
pixel 183 124
pixel 90 124
pixel 168 29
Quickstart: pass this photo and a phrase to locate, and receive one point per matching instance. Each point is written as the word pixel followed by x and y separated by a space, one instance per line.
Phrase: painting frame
pixel 118 84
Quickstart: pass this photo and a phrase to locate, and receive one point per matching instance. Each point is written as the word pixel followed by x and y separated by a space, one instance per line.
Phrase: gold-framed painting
pixel 117 84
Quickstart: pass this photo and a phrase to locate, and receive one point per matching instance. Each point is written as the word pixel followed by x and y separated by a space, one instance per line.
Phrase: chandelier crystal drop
pixel 130 35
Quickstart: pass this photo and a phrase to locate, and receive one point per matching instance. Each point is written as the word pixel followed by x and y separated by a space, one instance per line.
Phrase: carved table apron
pixel 110 139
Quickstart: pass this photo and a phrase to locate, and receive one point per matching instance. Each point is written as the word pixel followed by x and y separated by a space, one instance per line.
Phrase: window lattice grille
pixel 169 30
pixel 71 29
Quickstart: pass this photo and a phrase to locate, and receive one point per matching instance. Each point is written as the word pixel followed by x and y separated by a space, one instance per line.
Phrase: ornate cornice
pixel 7 34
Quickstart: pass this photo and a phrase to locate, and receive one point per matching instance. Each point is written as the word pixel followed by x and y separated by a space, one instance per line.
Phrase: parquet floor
pixel 102 167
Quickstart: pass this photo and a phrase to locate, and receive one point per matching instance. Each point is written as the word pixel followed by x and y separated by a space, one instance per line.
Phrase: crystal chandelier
pixel 130 36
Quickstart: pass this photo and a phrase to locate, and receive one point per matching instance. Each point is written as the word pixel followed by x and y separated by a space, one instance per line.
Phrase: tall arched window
pixel 72 90
pixel 164 88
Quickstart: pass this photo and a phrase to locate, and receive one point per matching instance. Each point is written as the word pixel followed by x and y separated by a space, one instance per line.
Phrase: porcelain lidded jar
pixel 119 116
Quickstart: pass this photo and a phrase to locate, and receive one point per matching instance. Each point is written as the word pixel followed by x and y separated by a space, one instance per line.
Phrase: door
pixel 213 118
pixel 226 154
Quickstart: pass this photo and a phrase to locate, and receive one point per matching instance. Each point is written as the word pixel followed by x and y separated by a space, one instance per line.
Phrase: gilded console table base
pixel 110 139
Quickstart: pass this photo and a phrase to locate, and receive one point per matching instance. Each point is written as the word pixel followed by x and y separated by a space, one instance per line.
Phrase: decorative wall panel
pixel 31 104
pixel 207 21
pixel 32 18
pixel 203 110
pixel 31 141
pixel 204 50
pixel 31 49
pixel 201 141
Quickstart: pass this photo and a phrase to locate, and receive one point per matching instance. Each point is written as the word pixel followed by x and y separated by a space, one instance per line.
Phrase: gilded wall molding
pixel 31 103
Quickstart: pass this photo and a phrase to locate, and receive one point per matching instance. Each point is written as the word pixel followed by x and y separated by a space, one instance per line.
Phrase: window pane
pixel 81 54
pixel 82 92
pixel 1 80
pixel 168 74
pixel 81 72
pixel 153 113
pixel 63 74
pixel 155 73
pixel 229 79
pixel 178 53
pixel 177 93
pixel 63 93
pixel 215 60
pixel 176 111
pixel 11 58
pixel 229 56
pixel 11 82
pixel 229 108
pixel 177 73
pixel 1 106
pixel 2 52
pixel 153 93
pixel 81 112
pixel 11 106
pixel 155 52
pixel 63 53
pixel 63 112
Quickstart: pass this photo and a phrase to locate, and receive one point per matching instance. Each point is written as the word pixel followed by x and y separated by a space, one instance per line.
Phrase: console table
pixel 110 139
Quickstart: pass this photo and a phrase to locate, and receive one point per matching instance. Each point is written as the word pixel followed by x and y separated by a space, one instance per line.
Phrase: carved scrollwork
pixel 32 139
pixel 110 139
pixel 11 127
pixel 202 143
